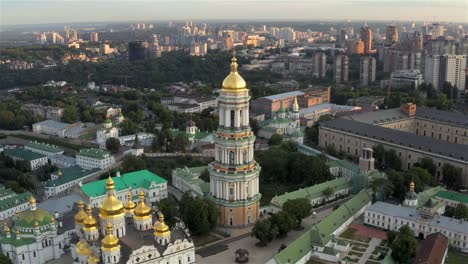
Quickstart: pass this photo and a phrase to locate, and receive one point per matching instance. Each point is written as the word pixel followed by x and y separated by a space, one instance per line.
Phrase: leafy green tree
pixel 132 163
pixel 200 214
pixel 381 188
pixel 312 133
pixel 129 127
pixel 461 211
pixel 4 259
pixel 264 231
pixel 428 164
pixel 451 176
pixel 404 245
pixel 423 175
pixel 300 208
pixel 275 140
pixel 284 222
pixel 180 143
pixel 378 153
pixel 113 145
pixel 70 114
pixel 168 206
pixel 392 160
pixel 398 183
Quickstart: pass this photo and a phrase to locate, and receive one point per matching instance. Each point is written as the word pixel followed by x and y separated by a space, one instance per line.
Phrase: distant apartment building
pixel 391 34
pixel 306 98
pixel 46 112
pixel 406 78
pixel 356 47
pixel 367 70
pixel 93 37
pixel 341 69
pixel 445 68
pixel 366 37
pixel 136 51
pixel 395 60
pixel 94 158
pixel 320 65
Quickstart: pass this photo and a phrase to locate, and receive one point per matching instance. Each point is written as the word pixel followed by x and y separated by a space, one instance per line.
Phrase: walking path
pixel 372 245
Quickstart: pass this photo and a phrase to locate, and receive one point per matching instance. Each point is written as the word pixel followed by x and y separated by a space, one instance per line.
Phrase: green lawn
pixel 348 233
pixel 454 257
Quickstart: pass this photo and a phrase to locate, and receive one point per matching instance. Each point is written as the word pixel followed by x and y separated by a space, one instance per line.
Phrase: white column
pixel 246 116
pixel 227 120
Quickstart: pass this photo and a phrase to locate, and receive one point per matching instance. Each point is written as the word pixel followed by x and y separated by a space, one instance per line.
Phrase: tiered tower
pixel 90 226
pixel 142 214
pixel 234 173
pixel 110 247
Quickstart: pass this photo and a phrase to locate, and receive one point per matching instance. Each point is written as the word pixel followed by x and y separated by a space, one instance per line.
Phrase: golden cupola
pixel 111 207
pixel 142 211
pixel 130 205
pixel 59 172
pixel 81 215
pixel 234 82
pixel 90 223
pixel 110 242
pixel 160 227
pixel 412 185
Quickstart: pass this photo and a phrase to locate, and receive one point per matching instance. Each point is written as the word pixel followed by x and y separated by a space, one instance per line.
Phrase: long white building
pixel 94 158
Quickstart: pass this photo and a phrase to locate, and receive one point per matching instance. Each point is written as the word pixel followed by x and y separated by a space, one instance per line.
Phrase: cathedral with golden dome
pixel 128 232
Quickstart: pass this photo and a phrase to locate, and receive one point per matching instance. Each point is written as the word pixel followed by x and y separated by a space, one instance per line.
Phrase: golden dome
pixel 160 227
pixel 110 242
pixel 17 212
pixel 36 224
pixel 93 259
pixel 32 200
pixel 89 222
pixel 7 229
pixel 82 248
pixel 142 210
pixel 52 220
pixel 59 172
pixel 81 215
pixel 130 205
pixel 412 185
pixel 111 206
pixel 234 82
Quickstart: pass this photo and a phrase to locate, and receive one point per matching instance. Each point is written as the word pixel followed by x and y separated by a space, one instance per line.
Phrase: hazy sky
pixel 58 11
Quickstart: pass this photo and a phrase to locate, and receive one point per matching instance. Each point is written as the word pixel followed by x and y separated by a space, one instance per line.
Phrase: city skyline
pixel 47 11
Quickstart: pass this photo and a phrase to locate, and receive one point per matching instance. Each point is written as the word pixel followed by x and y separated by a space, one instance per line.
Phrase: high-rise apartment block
pixel 136 50
pixel 320 65
pixel 445 68
pixel 340 69
pixel 356 47
pixel 366 37
pixel 367 70
pixel 93 37
pixel 391 34
pixel 395 60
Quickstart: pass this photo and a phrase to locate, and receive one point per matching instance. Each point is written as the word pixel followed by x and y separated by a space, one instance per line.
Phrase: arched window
pixel 233 114
pixel 244 156
pixel 241 119
pixel 231 157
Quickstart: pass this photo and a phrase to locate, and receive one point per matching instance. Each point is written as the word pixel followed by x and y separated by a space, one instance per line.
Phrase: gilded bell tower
pixel 234 174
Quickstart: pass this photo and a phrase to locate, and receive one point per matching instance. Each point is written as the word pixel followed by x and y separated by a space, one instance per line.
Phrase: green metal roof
pixel 17 242
pixel 321 233
pixel 343 164
pixel 425 195
pixel 13 199
pixel 455 196
pixel 312 192
pixel 95 153
pixel 23 154
pixel 70 174
pixel 189 175
pixel 45 147
pixel 135 180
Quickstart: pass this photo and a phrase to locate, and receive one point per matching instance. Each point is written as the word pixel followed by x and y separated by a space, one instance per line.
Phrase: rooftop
pixel 191 175
pixel 13 199
pixel 45 147
pixel 95 153
pixel 413 214
pixel 53 123
pixel 321 233
pixel 432 249
pixel 404 139
pixel 134 180
pixel 455 196
pixel 280 96
pixel 70 174
pixel 311 192
pixel 23 154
